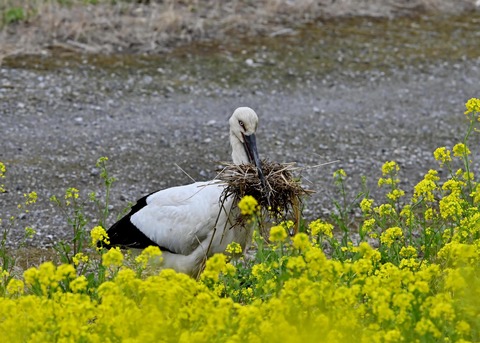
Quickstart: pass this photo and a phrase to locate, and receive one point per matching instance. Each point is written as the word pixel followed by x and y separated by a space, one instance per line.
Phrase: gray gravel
pixel 55 123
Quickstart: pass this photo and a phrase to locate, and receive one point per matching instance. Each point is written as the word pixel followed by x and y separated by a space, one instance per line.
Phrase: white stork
pixel 192 222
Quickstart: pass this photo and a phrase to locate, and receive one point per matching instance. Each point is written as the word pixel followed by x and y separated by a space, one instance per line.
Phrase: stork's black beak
pixel 250 145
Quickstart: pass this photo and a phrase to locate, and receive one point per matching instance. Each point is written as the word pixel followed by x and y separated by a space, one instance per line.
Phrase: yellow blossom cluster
pixel 316 299
pixel 3 170
pixel 98 234
pixel 248 205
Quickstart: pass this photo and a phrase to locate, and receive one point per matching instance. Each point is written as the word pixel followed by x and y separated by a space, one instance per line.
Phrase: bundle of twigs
pixel 282 191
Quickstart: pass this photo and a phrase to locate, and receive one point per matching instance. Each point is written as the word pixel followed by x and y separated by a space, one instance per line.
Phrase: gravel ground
pixel 58 117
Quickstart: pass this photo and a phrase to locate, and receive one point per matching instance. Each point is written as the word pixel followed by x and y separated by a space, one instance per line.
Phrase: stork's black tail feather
pixel 126 235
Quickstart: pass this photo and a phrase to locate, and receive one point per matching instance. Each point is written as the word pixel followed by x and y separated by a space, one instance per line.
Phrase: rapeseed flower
pixel 296 264
pixel 65 271
pixel 216 265
pixel 31 198
pixel 395 194
pixel 3 170
pixel 472 105
pixel 340 174
pixel 112 258
pixel 408 252
pixel 442 155
pixel 460 150
pixel 301 242
pixel 248 205
pixel 79 284
pixel 425 188
pixel 391 235
pixel 234 249
pixel 149 254
pixel 277 234
pixel 318 227
pixel 367 226
pixel 79 258
pixel 366 205
pixel 71 193
pixel 98 234
pixel 390 167
pixel 385 210
pixel 15 287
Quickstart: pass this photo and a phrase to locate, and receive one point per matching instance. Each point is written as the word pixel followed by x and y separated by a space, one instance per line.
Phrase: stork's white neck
pixel 239 156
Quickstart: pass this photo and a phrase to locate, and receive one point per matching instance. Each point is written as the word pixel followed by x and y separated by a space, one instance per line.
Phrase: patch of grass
pixel 14 15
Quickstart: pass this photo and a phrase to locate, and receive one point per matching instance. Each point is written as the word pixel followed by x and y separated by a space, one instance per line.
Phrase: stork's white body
pixel 192 222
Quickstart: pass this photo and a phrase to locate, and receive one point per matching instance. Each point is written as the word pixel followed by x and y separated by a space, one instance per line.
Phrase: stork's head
pixel 243 125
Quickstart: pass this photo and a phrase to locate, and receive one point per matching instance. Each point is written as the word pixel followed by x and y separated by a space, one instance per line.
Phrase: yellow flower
pixel 407 213
pixel 393 336
pixel 451 207
pixel 151 253
pixel 248 205
pixel 102 160
pixel 234 248
pixel 385 210
pixel 216 265
pixel 98 234
pixel 31 198
pixel 112 258
pixel 395 194
pixel 339 174
pixel 460 150
pixel 408 252
pixel 2 175
pixel 318 227
pixel 442 155
pixel 277 234
pixel 366 205
pixel 301 242
pixel 30 276
pixel 296 264
pixel 71 193
pixel 79 284
pixel 472 105
pixel 391 235
pixel 29 232
pixel 15 287
pixel 368 226
pixel 463 327
pixel 79 258
pixel 425 326
pixel 390 167
pixel 424 189
pixel 65 271
pixel 440 306
pixel 429 213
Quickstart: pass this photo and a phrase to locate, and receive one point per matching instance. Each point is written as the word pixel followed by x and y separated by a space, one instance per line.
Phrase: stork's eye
pixel 241 124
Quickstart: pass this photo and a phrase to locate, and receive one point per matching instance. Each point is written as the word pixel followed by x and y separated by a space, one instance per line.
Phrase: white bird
pixel 192 222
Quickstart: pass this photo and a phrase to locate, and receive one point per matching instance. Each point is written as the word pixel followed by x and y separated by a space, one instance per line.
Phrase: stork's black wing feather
pixel 126 235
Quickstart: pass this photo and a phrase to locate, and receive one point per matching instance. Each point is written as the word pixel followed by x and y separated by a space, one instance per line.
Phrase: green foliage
pixel 14 15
